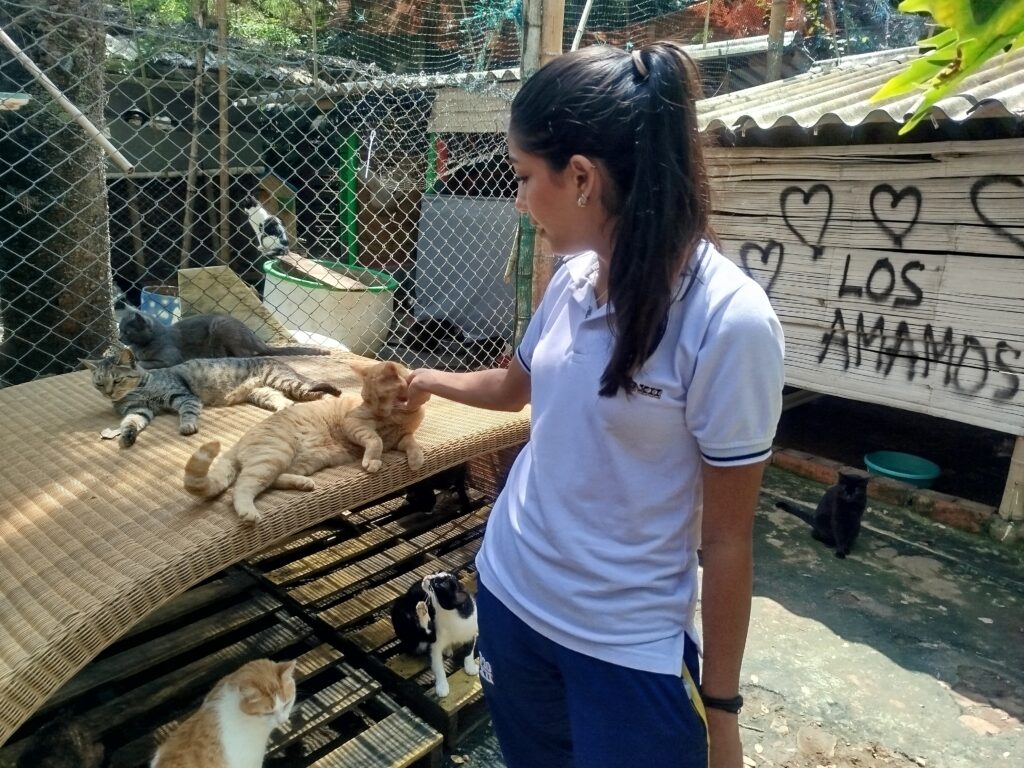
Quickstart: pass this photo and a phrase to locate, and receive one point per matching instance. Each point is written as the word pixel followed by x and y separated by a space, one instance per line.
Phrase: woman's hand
pixel 418 392
pixel 724 738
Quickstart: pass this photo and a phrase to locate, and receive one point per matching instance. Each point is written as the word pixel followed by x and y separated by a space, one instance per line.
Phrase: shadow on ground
pixel 910 652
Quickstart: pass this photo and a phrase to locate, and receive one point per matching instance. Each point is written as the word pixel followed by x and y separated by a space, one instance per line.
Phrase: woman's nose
pixel 521 203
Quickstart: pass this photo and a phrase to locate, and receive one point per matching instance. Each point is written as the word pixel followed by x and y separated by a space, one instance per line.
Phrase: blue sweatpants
pixel 556 708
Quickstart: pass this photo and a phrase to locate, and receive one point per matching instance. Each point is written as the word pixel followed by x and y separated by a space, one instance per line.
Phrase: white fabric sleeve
pixel 535 327
pixel 734 400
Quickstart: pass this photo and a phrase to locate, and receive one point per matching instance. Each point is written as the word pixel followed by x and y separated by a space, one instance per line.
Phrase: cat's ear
pixel 286 669
pixel 360 369
pixel 125 357
pixel 90 364
pixel 399 369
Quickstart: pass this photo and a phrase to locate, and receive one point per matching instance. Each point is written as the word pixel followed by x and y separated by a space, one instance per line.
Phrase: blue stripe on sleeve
pixel 522 362
pixel 745 457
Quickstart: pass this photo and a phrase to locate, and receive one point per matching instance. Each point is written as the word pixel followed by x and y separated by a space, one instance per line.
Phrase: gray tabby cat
pixel 139 394
pixel 200 336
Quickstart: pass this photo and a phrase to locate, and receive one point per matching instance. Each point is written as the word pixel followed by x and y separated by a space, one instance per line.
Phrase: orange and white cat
pixel 234 723
pixel 281 451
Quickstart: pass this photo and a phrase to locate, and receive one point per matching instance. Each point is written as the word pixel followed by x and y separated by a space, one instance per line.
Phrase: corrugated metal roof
pixel 468 80
pixel 839 91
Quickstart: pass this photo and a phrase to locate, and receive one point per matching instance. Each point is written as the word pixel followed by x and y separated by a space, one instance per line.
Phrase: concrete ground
pixel 910 652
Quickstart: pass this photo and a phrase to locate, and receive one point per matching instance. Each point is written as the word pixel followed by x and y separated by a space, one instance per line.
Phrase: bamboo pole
pixel 532 15
pixel 552 30
pixel 224 246
pixel 86 124
pixel 551 36
pixel 776 35
pixel 584 17
pixel 199 10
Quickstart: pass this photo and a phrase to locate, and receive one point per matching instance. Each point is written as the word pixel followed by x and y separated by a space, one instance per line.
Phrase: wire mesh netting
pixel 331 172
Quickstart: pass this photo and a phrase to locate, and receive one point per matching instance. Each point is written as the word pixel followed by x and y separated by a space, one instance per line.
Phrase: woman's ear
pixel 585 177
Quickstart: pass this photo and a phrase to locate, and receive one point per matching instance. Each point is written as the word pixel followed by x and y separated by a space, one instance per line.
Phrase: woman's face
pixel 550 198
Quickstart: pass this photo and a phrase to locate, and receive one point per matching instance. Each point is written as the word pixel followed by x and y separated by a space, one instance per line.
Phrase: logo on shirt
pixel 643 389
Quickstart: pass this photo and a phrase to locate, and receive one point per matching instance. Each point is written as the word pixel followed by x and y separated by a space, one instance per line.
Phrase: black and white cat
pixel 836 520
pixel 438 615
pixel 271 237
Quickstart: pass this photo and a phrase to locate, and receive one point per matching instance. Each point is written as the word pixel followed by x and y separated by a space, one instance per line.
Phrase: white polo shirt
pixel 593 541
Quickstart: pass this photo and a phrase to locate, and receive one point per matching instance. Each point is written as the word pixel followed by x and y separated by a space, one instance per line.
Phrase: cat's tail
pixel 295 351
pixel 804 514
pixel 205 481
pixel 286 379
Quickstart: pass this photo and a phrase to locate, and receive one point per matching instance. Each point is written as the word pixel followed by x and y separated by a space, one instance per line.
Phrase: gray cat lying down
pixel 139 394
pixel 200 336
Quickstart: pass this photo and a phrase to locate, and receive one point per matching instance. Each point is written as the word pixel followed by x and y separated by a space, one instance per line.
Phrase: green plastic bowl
pixel 903 466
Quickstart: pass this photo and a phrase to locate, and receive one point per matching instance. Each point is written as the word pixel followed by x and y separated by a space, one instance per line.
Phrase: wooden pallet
pixel 346 584
pixel 133 694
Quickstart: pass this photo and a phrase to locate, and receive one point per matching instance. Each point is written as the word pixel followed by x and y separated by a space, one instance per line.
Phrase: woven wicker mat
pixel 93 536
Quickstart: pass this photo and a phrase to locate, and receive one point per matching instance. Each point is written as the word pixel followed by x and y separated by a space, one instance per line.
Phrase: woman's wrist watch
pixel 733 705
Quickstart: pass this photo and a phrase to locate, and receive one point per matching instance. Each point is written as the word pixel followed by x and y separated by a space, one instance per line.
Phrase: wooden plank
pixel 397 741
pixel 138 752
pixel 171 690
pixel 110 670
pixel 330 585
pixel 226 586
pixel 330 557
pixel 297 545
pixel 308 269
pixel 972 157
pixel 1012 505
pixel 927 271
pixel 325 705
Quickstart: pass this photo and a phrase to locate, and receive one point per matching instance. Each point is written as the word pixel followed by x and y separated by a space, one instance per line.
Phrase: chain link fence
pixel 332 172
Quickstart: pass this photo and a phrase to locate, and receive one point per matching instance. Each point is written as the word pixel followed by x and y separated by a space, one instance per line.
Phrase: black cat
pixel 198 336
pixel 432 334
pixel 836 521
pixel 62 744
pixel 421 495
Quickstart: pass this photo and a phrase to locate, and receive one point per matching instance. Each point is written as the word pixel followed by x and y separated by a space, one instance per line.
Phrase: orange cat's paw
pixel 249 516
pixel 372 465
pixel 416 460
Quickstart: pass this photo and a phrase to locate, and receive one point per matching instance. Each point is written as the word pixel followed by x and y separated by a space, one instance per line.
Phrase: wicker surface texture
pixel 93 536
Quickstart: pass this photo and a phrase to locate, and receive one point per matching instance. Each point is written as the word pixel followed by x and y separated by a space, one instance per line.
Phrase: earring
pixel 581 201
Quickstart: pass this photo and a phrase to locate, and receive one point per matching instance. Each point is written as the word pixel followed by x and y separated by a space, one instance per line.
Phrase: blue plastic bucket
pixel 903 466
pixel 161 302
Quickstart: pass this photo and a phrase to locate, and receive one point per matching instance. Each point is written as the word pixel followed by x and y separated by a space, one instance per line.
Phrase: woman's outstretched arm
pixel 497 389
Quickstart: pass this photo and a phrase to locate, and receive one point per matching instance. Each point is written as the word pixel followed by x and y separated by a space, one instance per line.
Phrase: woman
pixel 654 369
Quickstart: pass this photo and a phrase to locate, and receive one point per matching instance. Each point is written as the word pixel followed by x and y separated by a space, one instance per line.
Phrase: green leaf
pixel 976 31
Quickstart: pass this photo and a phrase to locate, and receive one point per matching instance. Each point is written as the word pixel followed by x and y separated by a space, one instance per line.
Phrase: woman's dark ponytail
pixel 664 214
pixel 636 113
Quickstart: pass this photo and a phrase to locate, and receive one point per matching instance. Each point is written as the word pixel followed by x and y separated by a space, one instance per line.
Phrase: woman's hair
pixel 636 114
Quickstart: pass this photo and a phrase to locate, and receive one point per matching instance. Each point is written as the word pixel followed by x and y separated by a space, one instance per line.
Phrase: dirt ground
pixel 910 652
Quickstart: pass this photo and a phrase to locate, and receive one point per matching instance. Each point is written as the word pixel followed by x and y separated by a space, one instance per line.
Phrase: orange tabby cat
pixel 281 451
pixel 233 725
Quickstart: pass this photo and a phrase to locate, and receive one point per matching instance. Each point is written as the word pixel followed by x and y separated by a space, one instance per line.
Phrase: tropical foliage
pixel 975 31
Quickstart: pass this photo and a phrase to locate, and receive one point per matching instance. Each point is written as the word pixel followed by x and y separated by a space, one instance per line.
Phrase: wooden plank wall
pixel 897 270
